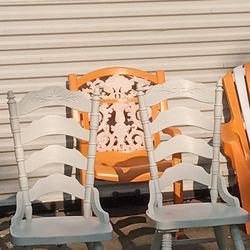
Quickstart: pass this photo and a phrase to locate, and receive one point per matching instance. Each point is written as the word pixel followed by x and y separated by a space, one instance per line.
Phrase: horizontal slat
pixel 5 131
pixel 7 144
pixel 52 125
pixel 4 113
pixel 12 186
pixel 125 52
pixel 10 172
pixel 10 199
pixel 78 40
pixel 118 9
pixel 59 2
pixel 124 24
pixel 55 154
pixel 57 183
pixel 179 63
pixel 21 85
pixel 183 143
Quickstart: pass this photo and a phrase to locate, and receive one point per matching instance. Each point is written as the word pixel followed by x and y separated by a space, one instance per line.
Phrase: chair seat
pixel 131 170
pixel 59 230
pixel 196 215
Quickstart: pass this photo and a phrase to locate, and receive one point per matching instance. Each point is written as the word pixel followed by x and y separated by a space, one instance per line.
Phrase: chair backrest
pixel 121 154
pixel 181 116
pixel 50 125
pixel 237 89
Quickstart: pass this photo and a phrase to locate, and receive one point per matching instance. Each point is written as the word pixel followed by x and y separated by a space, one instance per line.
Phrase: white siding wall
pixel 44 40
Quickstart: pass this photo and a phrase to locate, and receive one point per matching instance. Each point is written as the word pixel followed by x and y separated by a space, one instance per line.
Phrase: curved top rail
pixel 179 88
pixel 53 96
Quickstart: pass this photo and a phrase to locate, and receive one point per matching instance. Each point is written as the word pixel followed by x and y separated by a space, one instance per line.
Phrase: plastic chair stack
pixel 235 133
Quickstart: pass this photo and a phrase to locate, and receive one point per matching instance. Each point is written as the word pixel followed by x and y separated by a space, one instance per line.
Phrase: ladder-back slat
pixel 180 116
pixel 51 125
pixel 56 183
pixel 184 171
pixel 55 154
pixel 183 144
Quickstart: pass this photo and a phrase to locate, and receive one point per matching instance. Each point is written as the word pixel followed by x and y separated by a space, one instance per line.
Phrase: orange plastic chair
pixel 235 138
pixel 121 155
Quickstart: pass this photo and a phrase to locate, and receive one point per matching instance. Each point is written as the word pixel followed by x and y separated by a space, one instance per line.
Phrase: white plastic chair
pixel 26 230
pixel 169 218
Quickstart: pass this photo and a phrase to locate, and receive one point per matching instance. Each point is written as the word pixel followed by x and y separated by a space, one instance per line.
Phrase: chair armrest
pixel 19 214
pixel 96 206
pixel 233 144
pixel 231 139
pixel 225 195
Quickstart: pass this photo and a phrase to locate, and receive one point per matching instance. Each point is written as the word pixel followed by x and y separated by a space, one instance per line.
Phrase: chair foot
pixel 220 237
pixel 156 244
pixel 166 241
pixel 238 242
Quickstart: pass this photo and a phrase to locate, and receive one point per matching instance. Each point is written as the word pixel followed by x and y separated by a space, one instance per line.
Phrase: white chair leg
pixel 98 246
pixel 166 241
pixel 156 244
pixel 220 238
pixel 238 242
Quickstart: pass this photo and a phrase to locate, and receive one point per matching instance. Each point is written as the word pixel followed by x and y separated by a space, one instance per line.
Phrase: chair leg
pixel 238 242
pixel 90 245
pixel 166 241
pixel 220 237
pixel 156 244
pixel 98 246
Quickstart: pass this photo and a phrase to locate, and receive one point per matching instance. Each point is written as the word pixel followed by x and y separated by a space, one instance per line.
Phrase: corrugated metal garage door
pixel 42 41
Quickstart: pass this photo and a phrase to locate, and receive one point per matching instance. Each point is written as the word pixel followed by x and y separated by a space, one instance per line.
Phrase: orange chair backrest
pixel 121 155
pixel 236 122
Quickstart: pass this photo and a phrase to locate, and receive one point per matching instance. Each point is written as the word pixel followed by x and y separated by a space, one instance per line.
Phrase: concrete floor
pixel 131 232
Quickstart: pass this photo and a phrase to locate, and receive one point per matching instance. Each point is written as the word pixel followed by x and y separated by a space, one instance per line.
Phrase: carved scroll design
pixel 54 94
pixel 185 88
pixel 120 128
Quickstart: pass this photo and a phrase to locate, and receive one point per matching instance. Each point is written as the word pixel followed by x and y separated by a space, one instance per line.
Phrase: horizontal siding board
pixel 118 9
pixel 21 85
pixel 10 172
pixel 66 2
pixel 176 63
pixel 125 52
pixel 124 24
pixel 10 199
pixel 36 115
pixel 81 40
pixel 8 146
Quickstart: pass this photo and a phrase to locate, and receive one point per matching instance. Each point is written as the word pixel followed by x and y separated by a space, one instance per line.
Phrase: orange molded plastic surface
pixel 123 166
pixel 234 139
